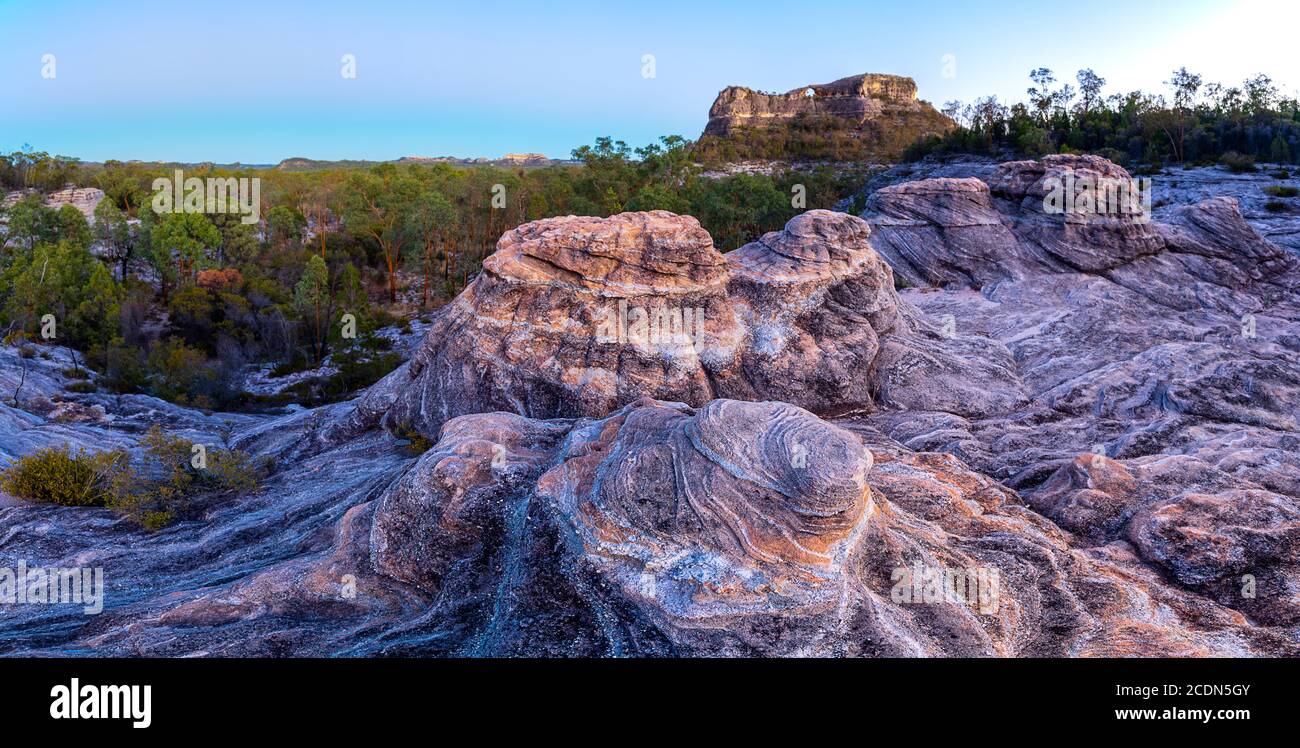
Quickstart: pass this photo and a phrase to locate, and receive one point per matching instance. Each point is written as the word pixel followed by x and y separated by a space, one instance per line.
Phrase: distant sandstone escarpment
pixel 869 116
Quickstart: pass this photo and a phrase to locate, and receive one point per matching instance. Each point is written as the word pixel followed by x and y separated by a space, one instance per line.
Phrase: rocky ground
pixel 1071 436
pixel 1172 186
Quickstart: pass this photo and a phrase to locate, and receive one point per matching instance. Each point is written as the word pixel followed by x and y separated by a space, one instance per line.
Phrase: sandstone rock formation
pixel 578 316
pixel 882 110
pixel 1160 357
pixel 738 528
pixel 1084 444
pixel 84 199
pixel 968 232
pixel 857 99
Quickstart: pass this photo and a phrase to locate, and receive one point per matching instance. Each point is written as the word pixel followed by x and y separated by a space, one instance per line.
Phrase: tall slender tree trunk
pixel 392 277
pixel 320 228
pixel 428 273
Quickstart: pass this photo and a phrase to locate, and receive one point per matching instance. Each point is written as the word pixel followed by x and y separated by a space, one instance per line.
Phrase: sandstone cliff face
pixel 1083 445
pixel 881 109
pixel 857 99
pixel 84 199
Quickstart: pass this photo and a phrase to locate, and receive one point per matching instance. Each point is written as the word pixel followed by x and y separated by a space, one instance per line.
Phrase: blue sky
pixel 260 81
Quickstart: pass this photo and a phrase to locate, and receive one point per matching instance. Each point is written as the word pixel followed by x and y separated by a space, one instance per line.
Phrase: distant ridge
pixel 524 160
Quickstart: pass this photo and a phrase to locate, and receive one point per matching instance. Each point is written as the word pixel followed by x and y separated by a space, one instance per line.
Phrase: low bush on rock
pixel 151 493
pixel 57 475
pixel 1238 163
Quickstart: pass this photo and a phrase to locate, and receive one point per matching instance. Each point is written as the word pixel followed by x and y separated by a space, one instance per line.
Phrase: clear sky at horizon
pixel 257 82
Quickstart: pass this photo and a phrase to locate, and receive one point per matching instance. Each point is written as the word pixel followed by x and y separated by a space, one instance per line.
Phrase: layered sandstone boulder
pixel 1061 214
pixel 580 316
pixel 573 316
pixel 815 301
pixel 1241 547
pixel 946 231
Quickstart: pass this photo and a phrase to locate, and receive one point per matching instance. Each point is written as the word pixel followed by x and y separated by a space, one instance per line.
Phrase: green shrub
pixel 298 362
pixel 232 470
pixel 1282 190
pixel 1275 206
pixel 152 498
pixel 153 520
pixel 182 374
pixel 56 475
pixel 416 443
pixel 81 386
pixel 153 503
pixel 360 364
pixel 1237 162
pixel 125 367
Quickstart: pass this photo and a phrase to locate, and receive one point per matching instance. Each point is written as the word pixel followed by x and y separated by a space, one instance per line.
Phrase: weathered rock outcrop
pixel 950 231
pixel 580 316
pixel 738 528
pixel 1084 445
pixel 857 99
pixel 881 110
pixel 84 199
pixel 1160 357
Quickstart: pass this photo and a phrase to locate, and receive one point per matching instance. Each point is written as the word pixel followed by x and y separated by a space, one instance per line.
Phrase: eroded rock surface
pixel 738 528
pixel 1083 444
pixel 1162 360
pixel 579 316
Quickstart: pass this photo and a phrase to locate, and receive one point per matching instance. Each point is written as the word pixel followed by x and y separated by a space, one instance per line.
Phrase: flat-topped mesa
pixel 870 117
pixel 879 85
pixel 578 316
pixel 858 98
